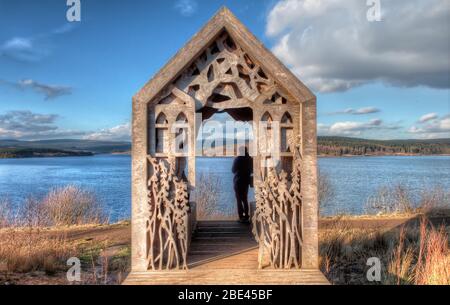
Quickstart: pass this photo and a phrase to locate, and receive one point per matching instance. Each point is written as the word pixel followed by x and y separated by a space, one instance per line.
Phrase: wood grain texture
pixel 229 277
pixel 277 222
pixel 230 259
pixel 167 224
pixel 222 68
pixel 224 19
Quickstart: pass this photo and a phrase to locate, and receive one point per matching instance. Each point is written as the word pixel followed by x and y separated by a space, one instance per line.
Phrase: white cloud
pixel 428 117
pixel 433 128
pixel 24 121
pixel 49 91
pixel 18 43
pixel 32 49
pixel 23 49
pixel 30 126
pixel 186 7
pixel 332 46
pixel 352 128
pixel 367 110
pixel 65 28
pixel 117 133
pixel 360 111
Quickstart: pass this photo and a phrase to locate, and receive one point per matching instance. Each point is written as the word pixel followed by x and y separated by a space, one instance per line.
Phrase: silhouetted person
pixel 242 170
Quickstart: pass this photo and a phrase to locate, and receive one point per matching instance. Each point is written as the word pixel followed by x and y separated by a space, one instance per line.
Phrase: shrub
pixel 6 217
pixel 71 205
pixel 435 200
pixel 400 199
pixel 391 199
pixel 325 190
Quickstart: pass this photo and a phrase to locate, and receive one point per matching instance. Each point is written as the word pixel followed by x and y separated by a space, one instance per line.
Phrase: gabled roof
pixel 224 20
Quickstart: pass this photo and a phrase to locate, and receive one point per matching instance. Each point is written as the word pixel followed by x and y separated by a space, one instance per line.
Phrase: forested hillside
pixel 340 146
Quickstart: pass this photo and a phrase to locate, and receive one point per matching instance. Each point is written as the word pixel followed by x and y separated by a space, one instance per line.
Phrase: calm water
pixel 354 179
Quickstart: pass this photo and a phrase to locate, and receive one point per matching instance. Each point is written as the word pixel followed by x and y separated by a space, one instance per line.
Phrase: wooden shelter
pixel 223 68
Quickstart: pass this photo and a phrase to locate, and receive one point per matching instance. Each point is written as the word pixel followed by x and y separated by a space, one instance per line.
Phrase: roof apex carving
pixel 222 21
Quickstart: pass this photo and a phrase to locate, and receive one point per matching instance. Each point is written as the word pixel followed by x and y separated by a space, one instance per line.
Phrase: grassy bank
pixel 411 251
pixel 37 239
pixel 410 240
pixel 39 255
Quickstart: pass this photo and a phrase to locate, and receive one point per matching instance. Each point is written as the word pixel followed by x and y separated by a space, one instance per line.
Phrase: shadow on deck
pixel 225 253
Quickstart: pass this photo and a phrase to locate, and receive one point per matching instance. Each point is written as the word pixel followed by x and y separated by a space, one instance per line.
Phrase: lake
pixel 354 179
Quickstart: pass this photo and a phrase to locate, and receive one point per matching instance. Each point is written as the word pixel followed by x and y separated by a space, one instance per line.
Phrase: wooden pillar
pixel 192 139
pixel 139 187
pixel 310 249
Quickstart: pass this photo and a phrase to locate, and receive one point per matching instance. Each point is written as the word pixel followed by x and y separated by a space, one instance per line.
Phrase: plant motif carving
pixel 277 219
pixel 168 204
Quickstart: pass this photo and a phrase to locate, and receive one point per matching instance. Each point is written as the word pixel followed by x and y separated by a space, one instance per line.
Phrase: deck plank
pixel 225 253
pixel 230 277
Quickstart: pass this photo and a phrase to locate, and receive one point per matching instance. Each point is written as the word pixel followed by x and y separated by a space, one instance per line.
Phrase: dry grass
pixel 29 249
pixel 34 240
pixel 104 265
pixel 39 256
pixel 433 263
pixel 399 199
pixel 25 241
pixel 410 255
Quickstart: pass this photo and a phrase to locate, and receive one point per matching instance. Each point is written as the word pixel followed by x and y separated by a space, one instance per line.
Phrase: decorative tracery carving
pixel 266 117
pixel 168 204
pixel 161 130
pixel 286 132
pixel 276 222
pixel 181 133
pixel 224 76
pixel 286 119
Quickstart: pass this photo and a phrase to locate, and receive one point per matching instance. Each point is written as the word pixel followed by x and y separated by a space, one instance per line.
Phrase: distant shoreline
pixel 63 154
pixel 24 153
pixel 352 156
pixel 385 155
pixel 327 147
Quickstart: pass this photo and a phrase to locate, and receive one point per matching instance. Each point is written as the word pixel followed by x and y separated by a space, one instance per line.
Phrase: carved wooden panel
pixel 224 77
pixel 166 226
pixel 222 68
pixel 277 219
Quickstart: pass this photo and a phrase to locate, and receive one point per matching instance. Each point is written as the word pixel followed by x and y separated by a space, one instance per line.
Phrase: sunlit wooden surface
pixel 224 252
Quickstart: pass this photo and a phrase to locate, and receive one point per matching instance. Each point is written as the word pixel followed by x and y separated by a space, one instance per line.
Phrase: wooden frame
pixel 171 83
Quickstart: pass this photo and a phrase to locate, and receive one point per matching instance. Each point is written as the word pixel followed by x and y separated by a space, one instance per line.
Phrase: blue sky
pixel 76 80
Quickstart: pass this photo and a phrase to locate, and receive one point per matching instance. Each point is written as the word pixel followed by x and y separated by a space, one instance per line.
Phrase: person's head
pixel 242 150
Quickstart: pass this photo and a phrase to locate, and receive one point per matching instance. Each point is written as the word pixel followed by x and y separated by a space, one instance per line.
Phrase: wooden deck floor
pixel 224 252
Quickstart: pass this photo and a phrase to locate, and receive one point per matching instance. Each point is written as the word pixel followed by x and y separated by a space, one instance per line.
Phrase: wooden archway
pixel 224 68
